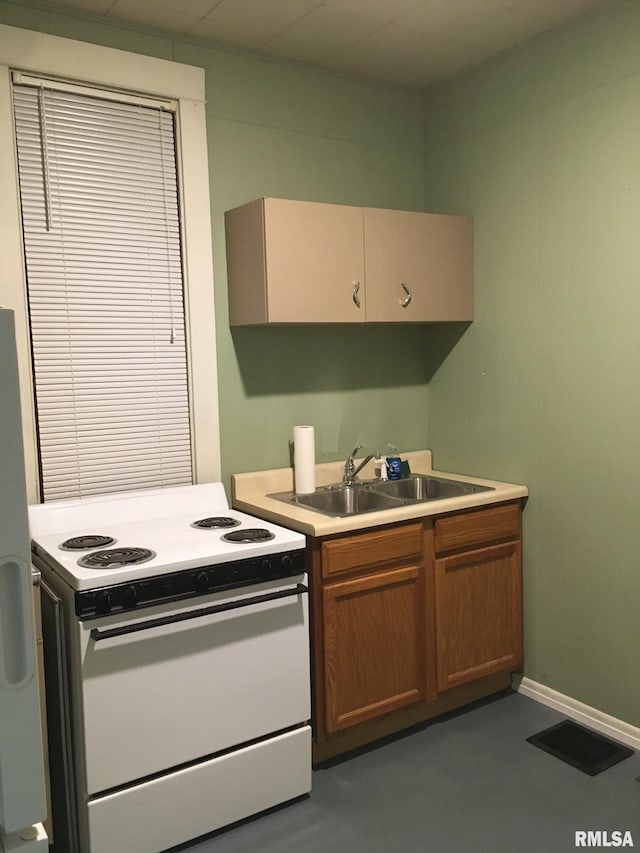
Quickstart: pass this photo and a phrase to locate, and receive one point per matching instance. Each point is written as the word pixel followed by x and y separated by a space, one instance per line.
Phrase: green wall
pixel 283 130
pixel 543 148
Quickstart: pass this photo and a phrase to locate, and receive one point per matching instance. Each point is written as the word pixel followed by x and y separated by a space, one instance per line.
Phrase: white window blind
pixel 101 226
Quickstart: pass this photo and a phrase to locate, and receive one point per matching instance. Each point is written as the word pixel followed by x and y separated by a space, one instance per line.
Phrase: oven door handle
pixel 105 633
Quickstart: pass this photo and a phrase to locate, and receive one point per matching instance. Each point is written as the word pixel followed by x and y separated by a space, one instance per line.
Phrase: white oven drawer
pixel 170 810
pixel 160 695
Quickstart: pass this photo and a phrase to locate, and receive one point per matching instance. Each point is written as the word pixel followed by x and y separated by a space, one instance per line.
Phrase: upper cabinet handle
pixel 356 290
pixel 405 302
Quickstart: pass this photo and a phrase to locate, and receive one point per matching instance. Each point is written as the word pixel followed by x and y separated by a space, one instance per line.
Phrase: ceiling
pixel 410 42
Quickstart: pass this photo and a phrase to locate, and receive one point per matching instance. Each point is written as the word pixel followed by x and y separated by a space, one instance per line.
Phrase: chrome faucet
pixel 350 470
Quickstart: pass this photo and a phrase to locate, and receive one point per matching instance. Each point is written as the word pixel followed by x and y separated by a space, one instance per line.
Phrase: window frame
pixel 43 54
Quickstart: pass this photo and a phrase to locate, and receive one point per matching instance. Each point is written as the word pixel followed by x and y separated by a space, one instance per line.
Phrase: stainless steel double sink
pixel 341 500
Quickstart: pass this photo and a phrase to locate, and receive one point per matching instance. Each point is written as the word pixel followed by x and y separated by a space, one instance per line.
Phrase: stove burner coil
pixel 86 543
pixel 215 522
pixel 114 558
pixel 251 534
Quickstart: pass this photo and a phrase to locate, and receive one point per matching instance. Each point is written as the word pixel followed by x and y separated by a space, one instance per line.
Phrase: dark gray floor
pixel 468 784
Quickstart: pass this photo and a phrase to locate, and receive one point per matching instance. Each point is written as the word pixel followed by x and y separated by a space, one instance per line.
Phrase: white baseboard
pixel 578 711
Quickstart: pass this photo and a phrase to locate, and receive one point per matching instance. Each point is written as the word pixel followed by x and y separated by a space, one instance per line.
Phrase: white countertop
pixel 250 492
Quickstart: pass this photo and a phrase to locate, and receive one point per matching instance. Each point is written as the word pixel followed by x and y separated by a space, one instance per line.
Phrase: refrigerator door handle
pixel 17 632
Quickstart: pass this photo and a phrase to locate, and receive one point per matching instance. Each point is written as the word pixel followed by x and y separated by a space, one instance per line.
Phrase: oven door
pixel 172 685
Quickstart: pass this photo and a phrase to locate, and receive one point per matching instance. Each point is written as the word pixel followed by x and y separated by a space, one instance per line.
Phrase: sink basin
pixel 424 487
pixel 342 500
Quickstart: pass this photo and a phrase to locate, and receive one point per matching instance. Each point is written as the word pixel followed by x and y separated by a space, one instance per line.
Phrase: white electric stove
pixel 182 693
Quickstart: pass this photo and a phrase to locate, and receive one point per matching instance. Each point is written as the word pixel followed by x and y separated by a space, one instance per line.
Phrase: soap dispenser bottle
pixel 394 464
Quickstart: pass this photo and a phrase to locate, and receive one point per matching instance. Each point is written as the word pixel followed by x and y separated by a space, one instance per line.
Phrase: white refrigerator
pixel 22 790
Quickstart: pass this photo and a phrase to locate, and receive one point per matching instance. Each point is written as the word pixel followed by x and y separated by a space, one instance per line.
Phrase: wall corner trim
pixel 593 718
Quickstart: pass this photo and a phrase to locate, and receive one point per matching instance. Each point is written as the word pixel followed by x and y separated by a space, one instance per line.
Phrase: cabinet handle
pixel 356 290
pixel 405 302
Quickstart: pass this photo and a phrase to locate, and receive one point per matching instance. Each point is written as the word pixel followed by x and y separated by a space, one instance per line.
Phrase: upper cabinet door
pixel 315 262
pixel 418 266
pixel 295 262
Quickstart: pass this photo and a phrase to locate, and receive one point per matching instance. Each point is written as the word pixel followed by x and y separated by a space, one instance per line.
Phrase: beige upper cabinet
pixel 306 262
pixel 418 266
pixel 295 262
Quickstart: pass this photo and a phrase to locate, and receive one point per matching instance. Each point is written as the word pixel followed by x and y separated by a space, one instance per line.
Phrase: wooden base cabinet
pixel 478 594
pixel 411 621
pixel 478 614
pixel 374 646
pixel 368 595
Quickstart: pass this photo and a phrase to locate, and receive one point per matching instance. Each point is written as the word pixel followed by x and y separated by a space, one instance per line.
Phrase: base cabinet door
pixel 478 613
pixel 374 646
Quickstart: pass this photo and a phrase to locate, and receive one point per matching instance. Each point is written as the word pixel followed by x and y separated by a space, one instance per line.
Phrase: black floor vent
pixel 588 751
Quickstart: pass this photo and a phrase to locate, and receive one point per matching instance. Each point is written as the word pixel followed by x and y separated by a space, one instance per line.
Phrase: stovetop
pixel 159 523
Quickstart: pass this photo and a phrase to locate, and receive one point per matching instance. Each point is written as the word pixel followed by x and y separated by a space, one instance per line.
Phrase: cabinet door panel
pixel 435 260
pixel 314 259
pixel 374 646
pixel 418 266
pixel 478 614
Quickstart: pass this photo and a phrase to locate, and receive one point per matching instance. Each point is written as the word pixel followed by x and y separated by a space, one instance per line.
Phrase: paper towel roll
pixel 304 459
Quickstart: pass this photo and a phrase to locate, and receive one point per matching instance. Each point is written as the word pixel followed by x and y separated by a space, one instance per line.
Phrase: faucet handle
pixel 350 466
